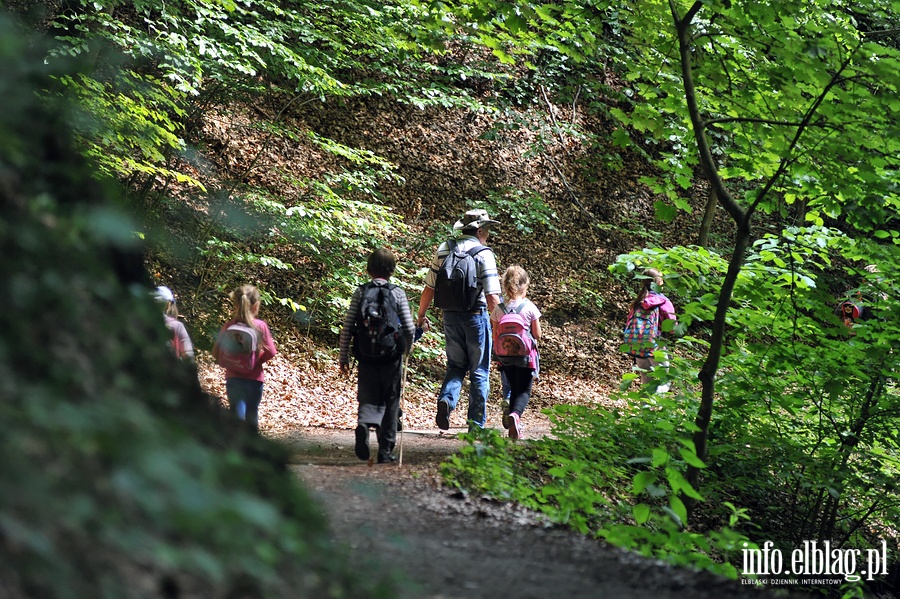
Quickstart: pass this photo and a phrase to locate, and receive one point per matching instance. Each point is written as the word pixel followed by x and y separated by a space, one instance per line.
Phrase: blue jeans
pixel 468 337
pixel 244 397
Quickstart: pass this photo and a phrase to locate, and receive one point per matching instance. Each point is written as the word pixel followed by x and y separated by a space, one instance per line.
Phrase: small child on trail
pixel 244 344
pixel 642 327
pixel 180 344
pixel 380 327
pixel 516 351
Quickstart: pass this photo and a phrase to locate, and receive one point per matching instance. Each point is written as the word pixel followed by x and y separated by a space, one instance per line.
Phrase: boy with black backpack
pixel 379 327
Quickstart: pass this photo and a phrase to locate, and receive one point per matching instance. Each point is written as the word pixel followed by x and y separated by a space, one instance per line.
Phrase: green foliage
pixel 662 538
pixel 828 391
pixel 311 234
pixel 832 415
pixel 133 127
pixel 522 209
pixel 127 482
pixel 156 71
pixel 155 68
pixel 484 464
pixel 772 89
pixel 580 477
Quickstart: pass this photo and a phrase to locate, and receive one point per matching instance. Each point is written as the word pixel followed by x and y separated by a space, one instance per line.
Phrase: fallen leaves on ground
pixel 298 395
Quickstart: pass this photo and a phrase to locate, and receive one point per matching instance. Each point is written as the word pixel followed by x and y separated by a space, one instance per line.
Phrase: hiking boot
pixel 362 442
pixel 386 457
pixel 443 416
pixel 515 427
pixel 505 419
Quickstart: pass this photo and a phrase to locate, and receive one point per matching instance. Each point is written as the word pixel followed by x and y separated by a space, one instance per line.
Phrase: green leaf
pixel 691 458
pixel 620 138
pixel 678 509
pixel 660 457
pixel 515 23
pixel 665 212
pixel 641 513
pixel 642 479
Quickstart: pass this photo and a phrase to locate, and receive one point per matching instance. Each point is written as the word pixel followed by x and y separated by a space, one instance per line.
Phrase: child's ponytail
pixel 244 298
pixel 515 282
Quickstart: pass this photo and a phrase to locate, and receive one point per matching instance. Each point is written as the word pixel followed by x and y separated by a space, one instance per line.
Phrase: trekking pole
pixel 402 402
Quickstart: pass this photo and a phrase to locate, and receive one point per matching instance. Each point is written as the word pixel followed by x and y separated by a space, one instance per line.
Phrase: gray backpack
pixel 457 286
pixel 378 338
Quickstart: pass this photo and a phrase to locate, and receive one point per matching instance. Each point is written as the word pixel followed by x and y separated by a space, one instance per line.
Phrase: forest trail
pixel 445 544
pixel 450 546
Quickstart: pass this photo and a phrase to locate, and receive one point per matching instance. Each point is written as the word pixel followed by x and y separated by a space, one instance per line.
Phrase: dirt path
pixel 450 546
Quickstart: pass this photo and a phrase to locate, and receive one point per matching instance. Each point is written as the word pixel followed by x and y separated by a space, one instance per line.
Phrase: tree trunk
pixel 711 202
pixel 707 374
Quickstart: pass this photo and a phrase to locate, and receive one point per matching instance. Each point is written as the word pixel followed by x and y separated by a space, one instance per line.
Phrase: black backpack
pixel 457 287
pixel 378 336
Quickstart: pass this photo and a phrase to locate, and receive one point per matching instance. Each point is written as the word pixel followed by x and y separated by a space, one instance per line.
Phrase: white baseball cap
pixel 164 294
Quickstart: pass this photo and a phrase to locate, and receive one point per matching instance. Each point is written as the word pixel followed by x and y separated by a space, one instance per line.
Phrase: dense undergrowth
pixel 121 478
pixel 801 455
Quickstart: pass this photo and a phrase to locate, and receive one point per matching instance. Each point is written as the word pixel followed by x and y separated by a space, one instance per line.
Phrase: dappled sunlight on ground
pixel 301 395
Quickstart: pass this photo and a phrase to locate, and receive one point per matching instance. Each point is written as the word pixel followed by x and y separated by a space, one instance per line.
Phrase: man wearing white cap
pixel 467 325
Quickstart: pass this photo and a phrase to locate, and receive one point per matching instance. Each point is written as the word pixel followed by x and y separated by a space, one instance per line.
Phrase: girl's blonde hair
pixel 171 310
pixel 243 299
pixel 515 282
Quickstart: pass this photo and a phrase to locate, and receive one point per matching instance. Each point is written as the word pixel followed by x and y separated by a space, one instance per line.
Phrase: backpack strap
pixel 366 285
pixel 517 310
pixel 452 244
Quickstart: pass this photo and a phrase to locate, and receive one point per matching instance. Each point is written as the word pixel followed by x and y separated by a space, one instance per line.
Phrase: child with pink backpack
pixel 643 325
pixel 516 329
pixel 242 347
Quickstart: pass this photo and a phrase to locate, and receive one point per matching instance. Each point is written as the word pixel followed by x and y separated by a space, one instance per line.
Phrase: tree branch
pixel 735 119
pixel 562 143
pixel 804 124
pixel 682 28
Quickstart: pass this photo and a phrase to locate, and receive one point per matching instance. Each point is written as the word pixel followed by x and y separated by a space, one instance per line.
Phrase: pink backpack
pixel 513 343
pixel 238 348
